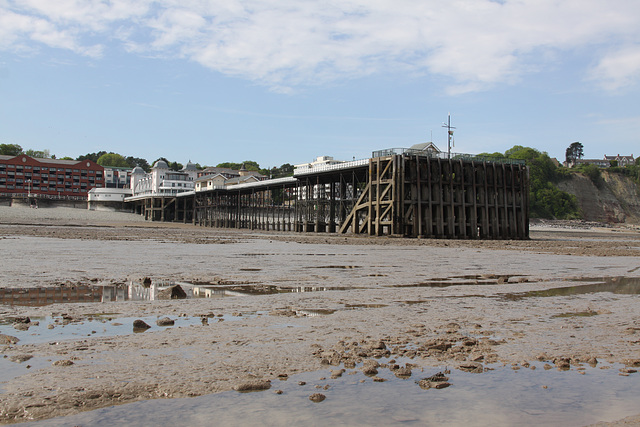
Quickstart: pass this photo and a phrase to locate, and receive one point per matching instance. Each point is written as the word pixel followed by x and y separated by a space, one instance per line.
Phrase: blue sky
pixel 285 81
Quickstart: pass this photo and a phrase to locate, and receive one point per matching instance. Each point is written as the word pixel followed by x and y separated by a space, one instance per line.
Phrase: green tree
pixel 44 154
pixel 546 200
pixel 92 156
pixel 250 165
pixel 132 162
pixel 112 159
pixel 10 149
pixel 574 152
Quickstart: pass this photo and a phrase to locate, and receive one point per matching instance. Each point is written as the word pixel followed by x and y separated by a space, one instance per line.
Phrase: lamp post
pixel 28 188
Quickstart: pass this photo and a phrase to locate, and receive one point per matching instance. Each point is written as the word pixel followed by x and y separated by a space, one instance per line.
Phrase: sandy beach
pixel 318 301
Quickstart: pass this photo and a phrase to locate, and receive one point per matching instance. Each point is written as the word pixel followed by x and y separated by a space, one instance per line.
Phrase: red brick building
pixel 48 177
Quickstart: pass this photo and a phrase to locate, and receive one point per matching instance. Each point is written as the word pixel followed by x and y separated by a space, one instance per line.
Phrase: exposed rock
pixel 632 362
pixel 21 326
pixel 257 385
pixel 562 363
pixel 437 381
pixel 473 367
pixel 369 370
pixel 19 358
pixel 403 373
pixel 317 397
pixel 337 373
pixel 380 345
pixel 64 362
pixel 8 339
pixel 22 319
pixel 165 321
pixel 371 363
pixel 172 292
pixel 140 325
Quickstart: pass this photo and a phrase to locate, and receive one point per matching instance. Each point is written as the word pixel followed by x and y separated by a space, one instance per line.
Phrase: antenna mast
pixel 449 134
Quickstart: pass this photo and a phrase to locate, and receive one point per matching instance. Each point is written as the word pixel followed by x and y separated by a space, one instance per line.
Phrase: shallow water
pixel 502 397
pixel 616 285
pixel 101 326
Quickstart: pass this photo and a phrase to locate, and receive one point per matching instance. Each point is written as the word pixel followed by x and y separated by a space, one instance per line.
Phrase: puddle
pixel 345 267
pixel 365 305
pixel 577 314
pixel 10 370
pixel 470 279
pixel 135 291
pixel 616 285
pixel 105 325
pixel 501 397
pixel 314 312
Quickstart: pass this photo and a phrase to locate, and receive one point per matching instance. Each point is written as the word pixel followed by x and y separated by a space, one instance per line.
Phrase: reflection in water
pixel 616 285
pixel 502 397
pixel 135 291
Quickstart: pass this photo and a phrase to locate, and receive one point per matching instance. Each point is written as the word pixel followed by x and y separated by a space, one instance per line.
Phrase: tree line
pixel 111 159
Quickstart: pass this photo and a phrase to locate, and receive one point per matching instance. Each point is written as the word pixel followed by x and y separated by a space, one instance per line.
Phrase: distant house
pixel 224 177
pixel 226 172
pixel 426 147
pixel 622 160
pixel 603 163
pixel 241 180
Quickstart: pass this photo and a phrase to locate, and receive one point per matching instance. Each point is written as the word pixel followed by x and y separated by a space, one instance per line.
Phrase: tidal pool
pixel 500 397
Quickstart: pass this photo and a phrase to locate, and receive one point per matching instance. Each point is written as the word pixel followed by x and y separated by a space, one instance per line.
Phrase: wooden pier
pixel 404 194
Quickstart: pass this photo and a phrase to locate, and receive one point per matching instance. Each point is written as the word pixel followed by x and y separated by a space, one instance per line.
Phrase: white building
pixel 116 177
pixel 318 163
pixel 162 180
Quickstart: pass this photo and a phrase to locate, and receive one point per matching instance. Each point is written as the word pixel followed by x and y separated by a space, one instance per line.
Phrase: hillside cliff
pixel 615 200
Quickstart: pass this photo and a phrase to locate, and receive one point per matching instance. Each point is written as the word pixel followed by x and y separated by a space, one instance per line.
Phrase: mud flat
pixel 269 306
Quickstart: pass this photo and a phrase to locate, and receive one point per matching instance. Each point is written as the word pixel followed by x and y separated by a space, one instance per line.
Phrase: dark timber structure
pixel 397 192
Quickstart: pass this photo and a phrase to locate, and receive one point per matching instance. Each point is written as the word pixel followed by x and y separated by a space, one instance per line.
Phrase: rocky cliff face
pixel 616 200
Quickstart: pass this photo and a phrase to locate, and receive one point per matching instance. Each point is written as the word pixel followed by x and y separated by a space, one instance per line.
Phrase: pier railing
pixel 444 156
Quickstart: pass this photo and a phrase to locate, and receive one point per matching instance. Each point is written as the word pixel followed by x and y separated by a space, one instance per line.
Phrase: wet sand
pixel 424 299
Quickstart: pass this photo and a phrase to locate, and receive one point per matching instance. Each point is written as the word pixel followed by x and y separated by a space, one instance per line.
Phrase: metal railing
pixel 327 168
pixel 42 196
pixel 445 156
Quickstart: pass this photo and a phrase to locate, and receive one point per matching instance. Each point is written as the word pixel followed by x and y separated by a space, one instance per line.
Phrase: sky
pixel 285 81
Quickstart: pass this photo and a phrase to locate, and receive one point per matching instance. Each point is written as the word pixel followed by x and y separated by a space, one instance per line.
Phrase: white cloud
pixel 618 69
pixel 472 44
